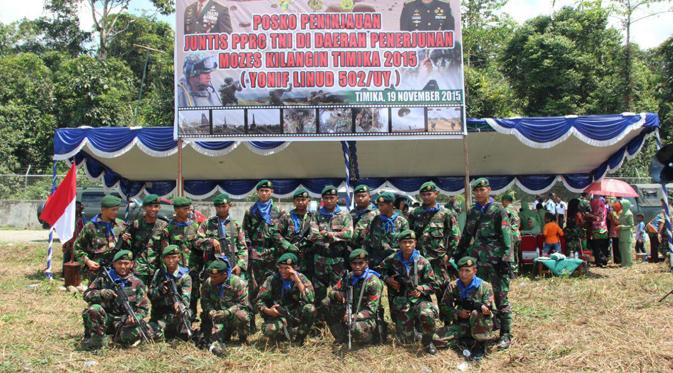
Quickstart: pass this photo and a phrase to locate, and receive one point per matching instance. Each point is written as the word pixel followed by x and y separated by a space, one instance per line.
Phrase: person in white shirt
pixel 561 208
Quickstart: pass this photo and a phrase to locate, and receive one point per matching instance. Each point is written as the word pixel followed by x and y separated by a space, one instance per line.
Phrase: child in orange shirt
pixel 552 235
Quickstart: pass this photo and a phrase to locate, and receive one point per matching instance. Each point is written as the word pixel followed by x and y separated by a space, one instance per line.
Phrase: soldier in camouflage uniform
pixel 300 227
pixel 411 282
pixel 181 231
pixel 367 290
pixel 438 234
pixel 469 302
pixel 285 301
pixel 381 238
pixel 143 238
pixel 167 308
pixel 104 315
pixel 222 235
pixel 100 239
pixel 487 236
pixel 225 304
pixel 336 231
pixel 515 223
pixel 362 214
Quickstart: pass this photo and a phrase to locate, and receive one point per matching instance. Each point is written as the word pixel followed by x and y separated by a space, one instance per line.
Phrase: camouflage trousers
pixel 97 322
pixel 478 327
pixel 444 273
pixel 237 320
pixel 362 331
pixel 328 271
pixel 298 325
pixel 408 315
pixel 500 283
pixel 166 324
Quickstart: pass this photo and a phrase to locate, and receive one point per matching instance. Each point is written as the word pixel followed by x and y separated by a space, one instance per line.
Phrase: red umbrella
pixel 611 188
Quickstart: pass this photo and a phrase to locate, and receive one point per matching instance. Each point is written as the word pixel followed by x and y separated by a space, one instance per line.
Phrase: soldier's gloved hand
pixel 216 315
pixel 108 294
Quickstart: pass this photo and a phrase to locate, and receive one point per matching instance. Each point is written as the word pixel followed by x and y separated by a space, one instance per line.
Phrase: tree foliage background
pixel 55 74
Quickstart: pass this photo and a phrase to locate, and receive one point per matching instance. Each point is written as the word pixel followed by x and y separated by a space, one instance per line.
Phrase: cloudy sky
pixel 647 33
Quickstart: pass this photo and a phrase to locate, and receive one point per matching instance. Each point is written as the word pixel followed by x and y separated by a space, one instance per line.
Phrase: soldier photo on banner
pixel 207 16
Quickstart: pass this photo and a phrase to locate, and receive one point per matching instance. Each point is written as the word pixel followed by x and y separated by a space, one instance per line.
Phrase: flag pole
pixel 50 249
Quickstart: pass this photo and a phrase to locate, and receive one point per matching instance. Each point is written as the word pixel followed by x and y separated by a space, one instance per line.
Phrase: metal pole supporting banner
pixel 468 195
pixel 179 181
pixel 50 250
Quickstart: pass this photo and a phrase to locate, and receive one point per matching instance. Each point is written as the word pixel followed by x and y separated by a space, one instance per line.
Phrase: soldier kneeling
pixel 285 301
pixel 469 303
pixel 226 309
pixel 361 291
pixel 117 305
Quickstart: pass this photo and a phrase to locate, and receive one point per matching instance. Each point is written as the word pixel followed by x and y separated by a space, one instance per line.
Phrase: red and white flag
pixel 61 207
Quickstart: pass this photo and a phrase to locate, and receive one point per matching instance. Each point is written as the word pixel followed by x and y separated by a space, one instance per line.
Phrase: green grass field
pixel 610 320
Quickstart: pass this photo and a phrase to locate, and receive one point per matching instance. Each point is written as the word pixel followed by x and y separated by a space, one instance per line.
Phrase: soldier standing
pixel 381 239
pixel 362 214
pixel 99 240
pixel 300 228
pixel 207 16
pixel 487 236
pixel 507 200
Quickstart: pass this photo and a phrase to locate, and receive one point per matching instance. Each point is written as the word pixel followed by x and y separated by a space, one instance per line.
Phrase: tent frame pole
pixel 180 178
pixel 466 159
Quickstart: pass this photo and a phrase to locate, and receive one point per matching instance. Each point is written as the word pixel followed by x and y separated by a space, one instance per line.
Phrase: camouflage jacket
pixel 183 282
pixel 271 292
pixel 367 292
pixel 487 235
pixel 452 302
pixel 340 223
pixel 361 220
pixel 135 290
pixel 235 247
pixel 514 222
pixel 308 231
pixel 182 234
pixel 232 292
pixel 437 232
pixel 145 244
pixel 379 243
pixel 264 239
pixel 420 272
pixel 94 243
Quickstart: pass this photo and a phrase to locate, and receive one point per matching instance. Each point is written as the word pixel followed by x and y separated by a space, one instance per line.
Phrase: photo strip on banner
pixel 297 70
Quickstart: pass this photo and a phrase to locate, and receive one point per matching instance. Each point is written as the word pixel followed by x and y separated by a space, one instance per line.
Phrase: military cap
pixel 217 266
pixel 151 199
pixel 329 190
pixel 429 186
pixel 507 197
pixel 358 254
pixel 287 258
pixel 221 199
pixel 362 188
pixel 481 182
pixel 385 197
pixel 110 201
pixel 467 261
pixel 264 184
pixel 182 202
pixel 123 255
pixel 170 250
pixel 300 193
pixel 406 234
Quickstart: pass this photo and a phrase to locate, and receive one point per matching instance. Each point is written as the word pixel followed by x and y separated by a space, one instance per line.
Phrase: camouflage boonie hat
pixel 481 182
pixel 358 254
pixel 182 202
pixel 221 199
pixel 123 255
pixel 264 184
pixel 467 261
pixel 287 258
pixel 110 201
pixel 385 197
pixel 362 188
pixel 300 193
pixel 406 234
pixel 428 186
pixel 170 250
pixel 329 190
pixel 151 199
pixel 217 266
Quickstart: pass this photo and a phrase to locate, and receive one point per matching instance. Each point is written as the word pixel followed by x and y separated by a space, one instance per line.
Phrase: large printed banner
pixel 318 69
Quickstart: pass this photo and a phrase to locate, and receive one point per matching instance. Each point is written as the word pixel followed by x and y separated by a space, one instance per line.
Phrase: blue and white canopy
pixel 534 153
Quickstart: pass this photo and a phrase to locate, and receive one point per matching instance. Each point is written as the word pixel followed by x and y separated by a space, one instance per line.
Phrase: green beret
pixel 221 199
pixel 429 186
pixel 385 197
pixel 467 261
pixel 110 201
pixel 182 202
pixel 362 188
pixel 217 266
pixel 406 234
pixel 481 182
pixel 170 250
pixel 123 255
pixel 151 199
pixel 507 197
pixel 329 190
pixel 358 254
pixel 300 193
pixel 264 184
pixel 287 258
